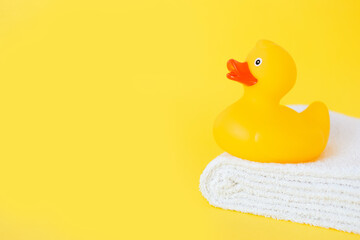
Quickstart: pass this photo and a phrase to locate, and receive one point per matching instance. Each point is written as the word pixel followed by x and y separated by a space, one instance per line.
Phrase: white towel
pixel 324 193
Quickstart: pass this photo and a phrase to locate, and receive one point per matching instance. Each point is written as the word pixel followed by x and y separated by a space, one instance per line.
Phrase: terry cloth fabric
pixel 323 193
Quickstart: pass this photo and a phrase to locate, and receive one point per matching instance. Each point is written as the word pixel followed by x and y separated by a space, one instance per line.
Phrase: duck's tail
pixel 318 114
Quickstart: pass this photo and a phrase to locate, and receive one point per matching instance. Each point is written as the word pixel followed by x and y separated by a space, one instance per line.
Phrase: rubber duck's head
pixel 269 71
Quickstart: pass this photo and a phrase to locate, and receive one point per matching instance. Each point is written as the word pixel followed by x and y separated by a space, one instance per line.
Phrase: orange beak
pixel 240 72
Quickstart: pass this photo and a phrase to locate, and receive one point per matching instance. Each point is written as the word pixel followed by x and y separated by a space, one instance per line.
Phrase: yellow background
pixel 107 109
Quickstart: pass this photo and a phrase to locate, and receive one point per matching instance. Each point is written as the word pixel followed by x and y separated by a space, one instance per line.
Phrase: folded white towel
pixel 324 193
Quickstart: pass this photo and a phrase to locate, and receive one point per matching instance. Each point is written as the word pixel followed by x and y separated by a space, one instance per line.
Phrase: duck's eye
pixel 258 61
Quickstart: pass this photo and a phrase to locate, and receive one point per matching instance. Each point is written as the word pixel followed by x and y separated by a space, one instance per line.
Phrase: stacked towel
pixel 324 193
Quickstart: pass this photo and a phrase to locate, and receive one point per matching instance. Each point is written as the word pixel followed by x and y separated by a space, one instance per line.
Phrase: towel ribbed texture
pixel 324 193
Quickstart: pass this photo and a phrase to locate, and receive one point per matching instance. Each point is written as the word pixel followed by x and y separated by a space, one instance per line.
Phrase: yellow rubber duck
pixel 257 127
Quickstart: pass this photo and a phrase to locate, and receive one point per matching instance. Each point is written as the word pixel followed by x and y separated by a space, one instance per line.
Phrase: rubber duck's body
pixel 257 127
